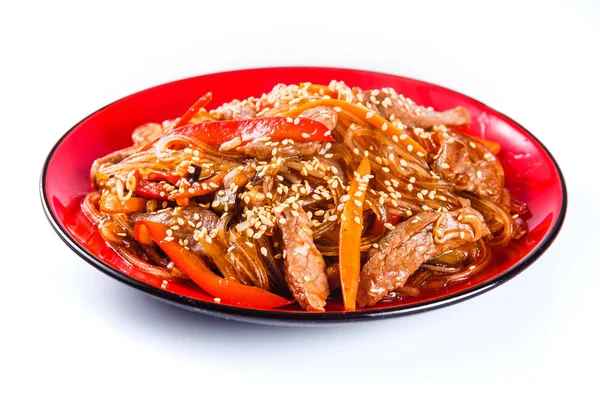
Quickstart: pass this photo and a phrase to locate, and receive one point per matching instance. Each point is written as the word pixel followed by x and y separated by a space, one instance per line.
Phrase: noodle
pixel 225 203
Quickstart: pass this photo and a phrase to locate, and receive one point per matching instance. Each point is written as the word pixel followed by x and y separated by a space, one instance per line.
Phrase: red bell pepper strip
pixel 193 110
pixel 151 190
pixel 226 290
pixel 215 133
pixel 207 186
pixel 161 176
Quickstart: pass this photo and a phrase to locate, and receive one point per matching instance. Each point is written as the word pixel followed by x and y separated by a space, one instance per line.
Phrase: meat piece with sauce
pixel 470 166
pixel 412 243
pixel 235 110
pixel 287 148
pixel 393 106
pixel 305 269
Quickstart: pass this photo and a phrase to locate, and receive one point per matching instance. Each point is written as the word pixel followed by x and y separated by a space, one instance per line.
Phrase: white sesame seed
pixel 369 115
pixel 296 121
pixel 384 127
pixel 357 220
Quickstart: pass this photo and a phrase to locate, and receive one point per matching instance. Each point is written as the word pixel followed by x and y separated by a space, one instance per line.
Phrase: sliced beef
pixel 412 243
pixel 146 133
pixel 108 160
pixel 305 269
pixel 183 221
pixel 410 114
pixel 264 150
pixel 235 110
pixel 470 167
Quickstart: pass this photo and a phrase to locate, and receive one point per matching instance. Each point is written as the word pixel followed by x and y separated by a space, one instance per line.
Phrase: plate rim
pixel 300 317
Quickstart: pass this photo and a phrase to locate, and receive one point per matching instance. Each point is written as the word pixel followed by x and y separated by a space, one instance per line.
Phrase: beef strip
pixel 147 133
pixel 413 242
pixel 264 151
pixel 235 110
pixel 182 218
pixel 410 114
pixel 305 269
pixel 461 163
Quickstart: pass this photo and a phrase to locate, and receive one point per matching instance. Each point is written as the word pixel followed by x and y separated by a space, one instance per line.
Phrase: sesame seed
pixel 164 284
pixel 445 166
pixel 332 218
pixel 305 135
pixel 479 174
pixel 388 226
pixel 357 220
pixel 168 238
pixel 409 147
pixel 337 109
pixel 384 127
pixel 403 162
pixel 385 169
pixel 369 115
pixel 356 151
pixel 217 300
pixel 488 156
pixel 472 144
pixel 296 121
pixel 358 203
pixel 395 138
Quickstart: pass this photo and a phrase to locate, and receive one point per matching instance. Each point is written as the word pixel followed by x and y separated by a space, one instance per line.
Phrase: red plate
pixel 532 176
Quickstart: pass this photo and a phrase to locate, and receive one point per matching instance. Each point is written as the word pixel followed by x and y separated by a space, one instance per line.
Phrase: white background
pixel 69 330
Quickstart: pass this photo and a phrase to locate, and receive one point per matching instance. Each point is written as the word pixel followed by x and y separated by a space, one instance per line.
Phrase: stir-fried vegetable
pixel 350 233
pixel 225 290
pixel 492 146
pixel 112 204
pixel 193 110
pixel 237 132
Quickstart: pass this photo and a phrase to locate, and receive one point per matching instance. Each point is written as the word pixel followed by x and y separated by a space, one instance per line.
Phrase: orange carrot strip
pixel 350 233
pixel 111 204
